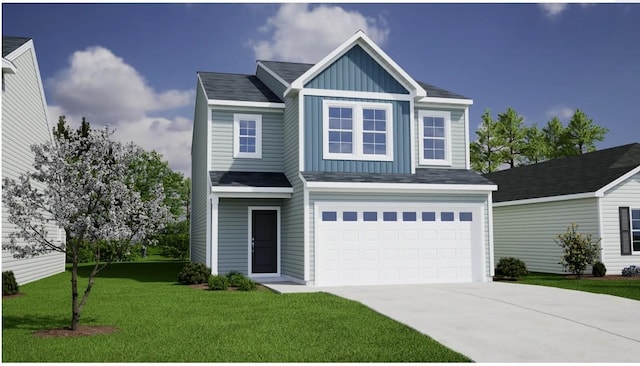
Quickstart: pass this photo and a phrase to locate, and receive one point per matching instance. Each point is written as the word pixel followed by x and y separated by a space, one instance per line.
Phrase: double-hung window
pixel 357 131
pixel 635 230
pixel 435 137
pixel 247 136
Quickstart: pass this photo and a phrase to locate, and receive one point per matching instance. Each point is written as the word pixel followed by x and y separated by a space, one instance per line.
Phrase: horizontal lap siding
pixel 528 232
pixel 458 138
pixel 393 198
pixel 233 232
pixel 626 194
pixel 222 143
pixel 199 181
pixel 24 123
pixel 314 140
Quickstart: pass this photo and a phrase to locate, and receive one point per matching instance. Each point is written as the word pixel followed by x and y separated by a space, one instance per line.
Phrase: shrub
pixel 511 267
pixel 579 250
pixel 235 278
pixel 599 269
pixel 9 284
pixel 218 282
pixel 246 284
pixel 194 273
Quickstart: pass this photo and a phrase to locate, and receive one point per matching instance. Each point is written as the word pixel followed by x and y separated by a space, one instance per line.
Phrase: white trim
pixel 257 118
pixel 389 187
pixel 412 135
pixel 600 192
pixel 209 128
pixel 631 229
pixel 8 67
pixel 274 75
pixel 234 189
pixel 490 229
pixel 565 197
pixel 254 195
pixel 278 240
pixel 301 163
pixel 446 115
pixel 239 103
pixel 361 39
pixel 357 130
pixel 601 228
pixel 356 94
pixel 212 256
pixel 440 101
pixel 254 110
pixel 466 139
pixel 307 244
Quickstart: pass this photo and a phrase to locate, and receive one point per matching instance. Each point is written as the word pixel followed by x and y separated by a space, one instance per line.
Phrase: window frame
pixel 447 137
pixel 357 152
pixel 257 118
pixel 632 230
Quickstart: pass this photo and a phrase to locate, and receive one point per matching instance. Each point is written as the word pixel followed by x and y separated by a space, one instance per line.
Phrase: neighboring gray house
pixel 599 191
pixel 24 123
pixel 347 171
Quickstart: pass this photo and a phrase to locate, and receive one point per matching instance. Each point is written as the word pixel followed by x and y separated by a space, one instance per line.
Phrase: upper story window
pixel 247 136
pixel 357 131
pixel 435 137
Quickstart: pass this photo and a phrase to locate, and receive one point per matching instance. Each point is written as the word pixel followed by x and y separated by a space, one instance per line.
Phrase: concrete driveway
pixel 503 322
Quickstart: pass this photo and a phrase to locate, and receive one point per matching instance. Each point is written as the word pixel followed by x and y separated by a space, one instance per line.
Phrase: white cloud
pixel 552 10
pixel 107 91
pixel 562 112
pixel 301 33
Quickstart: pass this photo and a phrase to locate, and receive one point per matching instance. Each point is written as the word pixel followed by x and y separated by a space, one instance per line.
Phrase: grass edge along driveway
pixel 623 287
pixel 161 321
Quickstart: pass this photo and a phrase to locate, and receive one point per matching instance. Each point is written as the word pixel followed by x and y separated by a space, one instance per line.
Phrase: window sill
pixel 357 157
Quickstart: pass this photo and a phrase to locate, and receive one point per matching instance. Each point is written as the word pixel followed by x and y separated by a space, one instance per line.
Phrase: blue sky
pixel 133 66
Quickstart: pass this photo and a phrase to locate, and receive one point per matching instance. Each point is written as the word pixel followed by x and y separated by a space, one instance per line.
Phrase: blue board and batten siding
pixel 356 71
pixel 222 143
pixel 459 149
pixel 313 120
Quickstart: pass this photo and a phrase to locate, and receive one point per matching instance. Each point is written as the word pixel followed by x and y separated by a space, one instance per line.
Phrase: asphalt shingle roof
pixel 10 44
pixel 248 179
pixel 288 71
pixel 422 176
pixel 572 175
pixel 237 87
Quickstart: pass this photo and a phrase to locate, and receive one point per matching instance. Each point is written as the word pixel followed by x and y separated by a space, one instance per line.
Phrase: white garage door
pixel 361 244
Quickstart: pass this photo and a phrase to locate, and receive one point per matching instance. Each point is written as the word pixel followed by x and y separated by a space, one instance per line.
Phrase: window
pixel 635 229
pixel 408 216
pixel 247 136
pixel 428 216
pixel 390 216
pixel 349 216
pixel 357 131
pixel 329 216
pixel 370 216
pixel 446 216
pixel 435 137
pixel 466 216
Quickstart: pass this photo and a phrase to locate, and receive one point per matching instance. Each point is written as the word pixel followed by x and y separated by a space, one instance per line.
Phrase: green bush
pixel 194 273
pixel 116 252
pixel 511 267
pixel 599 269
pixel 246 284
pixel 9 284
pixel 235 278
pixel 218 282
pixel 578 250
pixel 174 240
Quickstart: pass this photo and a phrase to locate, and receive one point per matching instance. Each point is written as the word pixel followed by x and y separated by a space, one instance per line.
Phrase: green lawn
pixel 161 321
pixel 629 288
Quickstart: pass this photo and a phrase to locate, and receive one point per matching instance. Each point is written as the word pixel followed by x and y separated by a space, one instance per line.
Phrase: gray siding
pixel 24 123
pixel 222 143
pixel 459 150
pixel 314 141
pixel 394 198
pixel 276 87
pixel 528 232
pixel 233 231
pixel 292 209
pixel 625 194
pixel 357 71
pixel 199 180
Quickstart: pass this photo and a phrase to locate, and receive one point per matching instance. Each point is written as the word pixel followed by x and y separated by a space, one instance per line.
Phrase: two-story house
pixel 24 123
pixel 344 172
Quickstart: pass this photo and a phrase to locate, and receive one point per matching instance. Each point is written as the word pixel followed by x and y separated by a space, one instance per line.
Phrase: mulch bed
pixel 607 277
pixel 82 331
pixel 12 296
pixel 204 286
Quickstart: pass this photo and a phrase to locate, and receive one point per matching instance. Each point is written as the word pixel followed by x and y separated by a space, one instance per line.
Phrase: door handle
pixel 252 244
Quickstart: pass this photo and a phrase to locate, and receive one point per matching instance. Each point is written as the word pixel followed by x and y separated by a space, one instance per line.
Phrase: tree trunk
pixel 75 309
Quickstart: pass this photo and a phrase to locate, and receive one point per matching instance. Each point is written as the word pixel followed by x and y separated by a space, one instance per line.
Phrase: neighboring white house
pixel 599 191
pixel 24 123
pixel 344 172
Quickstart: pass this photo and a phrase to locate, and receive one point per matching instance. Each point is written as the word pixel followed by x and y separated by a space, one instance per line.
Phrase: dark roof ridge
pixel 287 62
pixel 224 73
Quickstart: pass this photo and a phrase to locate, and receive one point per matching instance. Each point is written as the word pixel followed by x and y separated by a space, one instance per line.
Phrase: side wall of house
pixel 625 194
pixel 24 123
pixel 199 180
pixel 274 85
pixel 528 231
pixel 458 137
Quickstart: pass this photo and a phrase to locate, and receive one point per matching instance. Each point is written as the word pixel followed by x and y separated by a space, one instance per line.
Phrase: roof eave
pixel 601 192
pixel 8 67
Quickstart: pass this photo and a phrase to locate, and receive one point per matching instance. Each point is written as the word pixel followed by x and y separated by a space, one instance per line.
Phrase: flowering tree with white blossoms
pixel 90 192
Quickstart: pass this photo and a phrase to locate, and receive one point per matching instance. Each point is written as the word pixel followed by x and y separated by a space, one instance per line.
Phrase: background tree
pixel 555 139
pixel 513 136
pixel 487 151
pixel 89 191
pixel 535 148
pixel 581 134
